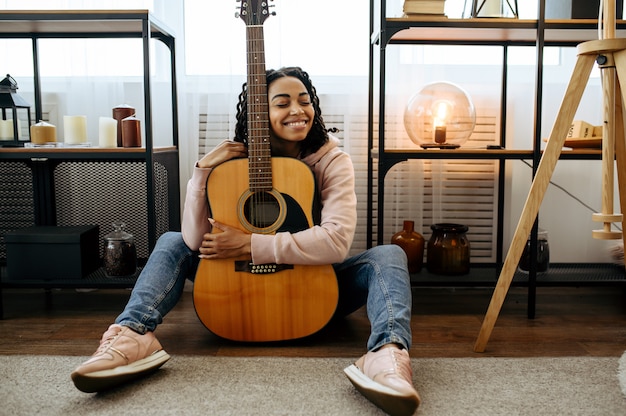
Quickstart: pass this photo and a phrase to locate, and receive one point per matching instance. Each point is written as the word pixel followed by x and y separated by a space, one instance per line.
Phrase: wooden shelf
pixel 490 31
pixel 80 23
pixel 497 154
pixel 64 152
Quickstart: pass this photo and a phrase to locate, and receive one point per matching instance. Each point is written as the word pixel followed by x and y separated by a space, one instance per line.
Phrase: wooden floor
pixel 569 322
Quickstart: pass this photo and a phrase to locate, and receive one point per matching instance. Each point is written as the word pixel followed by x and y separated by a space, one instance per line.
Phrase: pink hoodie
pixel 326 243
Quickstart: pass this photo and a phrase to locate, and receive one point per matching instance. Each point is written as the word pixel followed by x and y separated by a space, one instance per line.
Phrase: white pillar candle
pixel 6 130
pixel 107 129
pixel 42 133
pixel 75 129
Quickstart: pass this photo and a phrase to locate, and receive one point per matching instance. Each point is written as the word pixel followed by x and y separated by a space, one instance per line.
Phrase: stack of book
pixel 424 7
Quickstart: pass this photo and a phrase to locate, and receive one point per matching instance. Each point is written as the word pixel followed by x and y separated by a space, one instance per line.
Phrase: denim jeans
pixel 377 278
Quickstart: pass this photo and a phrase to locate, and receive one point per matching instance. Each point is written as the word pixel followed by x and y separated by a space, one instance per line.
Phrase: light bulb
pixel 440 115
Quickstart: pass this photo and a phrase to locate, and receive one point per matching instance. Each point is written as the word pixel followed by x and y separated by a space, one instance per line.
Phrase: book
pixel 580 130
pixel 424 7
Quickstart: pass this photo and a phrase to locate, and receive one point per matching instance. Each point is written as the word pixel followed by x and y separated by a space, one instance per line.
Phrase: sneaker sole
pixel 106 379
pixel 389 400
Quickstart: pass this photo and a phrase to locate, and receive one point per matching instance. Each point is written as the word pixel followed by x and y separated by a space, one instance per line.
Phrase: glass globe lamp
pixel 441 115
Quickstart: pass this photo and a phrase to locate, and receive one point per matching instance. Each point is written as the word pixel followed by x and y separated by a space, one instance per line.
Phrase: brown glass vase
pixel 412 243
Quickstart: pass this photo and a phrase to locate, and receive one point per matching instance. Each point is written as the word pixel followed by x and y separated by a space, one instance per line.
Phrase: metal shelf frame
pixel 96 24
pixel 504 32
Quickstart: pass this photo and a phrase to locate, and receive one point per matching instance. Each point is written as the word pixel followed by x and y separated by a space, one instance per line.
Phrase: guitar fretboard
pixel 259 152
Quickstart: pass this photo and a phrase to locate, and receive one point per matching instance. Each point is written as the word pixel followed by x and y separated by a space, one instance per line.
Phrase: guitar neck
pixel 259 152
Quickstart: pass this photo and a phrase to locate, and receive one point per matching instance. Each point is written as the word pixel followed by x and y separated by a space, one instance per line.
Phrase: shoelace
pixel 107 338
pixel 402 365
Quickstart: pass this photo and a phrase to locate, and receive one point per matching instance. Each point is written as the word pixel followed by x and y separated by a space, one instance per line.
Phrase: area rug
pixel 193 385
pixel 621 374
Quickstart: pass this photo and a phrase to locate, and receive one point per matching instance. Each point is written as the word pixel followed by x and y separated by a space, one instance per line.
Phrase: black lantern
pixel 12 106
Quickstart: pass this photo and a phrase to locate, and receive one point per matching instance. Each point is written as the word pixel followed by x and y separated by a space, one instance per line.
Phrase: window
pixel 325 37
pixel 74 57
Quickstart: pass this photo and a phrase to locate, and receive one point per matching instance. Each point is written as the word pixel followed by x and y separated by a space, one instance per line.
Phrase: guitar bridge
pixel 246 266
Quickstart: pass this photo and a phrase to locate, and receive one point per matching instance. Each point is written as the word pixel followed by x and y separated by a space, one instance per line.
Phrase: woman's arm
pixel 195 222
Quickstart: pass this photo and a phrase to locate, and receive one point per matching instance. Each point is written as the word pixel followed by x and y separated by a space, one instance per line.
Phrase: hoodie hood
pixel 312 159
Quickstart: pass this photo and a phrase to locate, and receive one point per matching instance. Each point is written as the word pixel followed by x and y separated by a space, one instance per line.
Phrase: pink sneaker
pixel 385 378
pixel 123 355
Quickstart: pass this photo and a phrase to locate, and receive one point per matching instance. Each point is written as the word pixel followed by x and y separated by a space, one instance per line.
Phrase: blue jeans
pixel 377 278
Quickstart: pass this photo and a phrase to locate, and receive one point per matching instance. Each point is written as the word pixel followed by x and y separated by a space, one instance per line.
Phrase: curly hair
pixel 318 135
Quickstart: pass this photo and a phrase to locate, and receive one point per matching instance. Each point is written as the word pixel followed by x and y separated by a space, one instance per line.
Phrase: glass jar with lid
pixel 448 250
pixel 542 255
pixel 120 253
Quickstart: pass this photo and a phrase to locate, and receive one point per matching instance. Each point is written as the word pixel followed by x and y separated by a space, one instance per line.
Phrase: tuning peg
pixel 238 7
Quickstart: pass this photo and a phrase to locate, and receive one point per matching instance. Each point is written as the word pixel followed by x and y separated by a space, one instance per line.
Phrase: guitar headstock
pixel 254 12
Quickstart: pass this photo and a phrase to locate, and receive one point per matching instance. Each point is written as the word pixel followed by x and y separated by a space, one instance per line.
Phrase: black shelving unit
pixel 37 174
pixel 558 274
pixel 95 280
pixel 503 32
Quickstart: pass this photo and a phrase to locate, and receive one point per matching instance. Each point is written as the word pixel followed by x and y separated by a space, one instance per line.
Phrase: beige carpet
pixel 622 373
pixel 40 385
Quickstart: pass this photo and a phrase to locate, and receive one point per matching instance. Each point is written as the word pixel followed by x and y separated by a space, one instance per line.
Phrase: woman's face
pixel 291 111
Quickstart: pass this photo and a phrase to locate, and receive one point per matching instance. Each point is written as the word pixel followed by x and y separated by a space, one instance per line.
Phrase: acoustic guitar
pixel 234 298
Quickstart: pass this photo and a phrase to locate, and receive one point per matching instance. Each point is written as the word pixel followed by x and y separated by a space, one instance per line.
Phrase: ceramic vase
pixel 412 243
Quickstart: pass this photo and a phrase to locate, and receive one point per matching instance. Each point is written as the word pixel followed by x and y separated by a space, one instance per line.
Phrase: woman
pixel 377 277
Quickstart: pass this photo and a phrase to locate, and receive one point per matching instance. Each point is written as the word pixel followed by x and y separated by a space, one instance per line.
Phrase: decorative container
pixel 448 250
pixel 412 243
pixel 120 253
pixel 543 254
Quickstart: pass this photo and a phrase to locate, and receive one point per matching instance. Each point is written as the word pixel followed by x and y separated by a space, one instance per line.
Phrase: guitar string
pixel 258 135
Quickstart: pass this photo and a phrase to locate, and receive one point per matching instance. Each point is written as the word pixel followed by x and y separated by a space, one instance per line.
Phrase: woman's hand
pixel 231 242
pixel 224 151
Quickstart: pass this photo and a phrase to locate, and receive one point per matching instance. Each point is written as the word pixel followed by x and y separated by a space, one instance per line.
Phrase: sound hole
pixel 261 210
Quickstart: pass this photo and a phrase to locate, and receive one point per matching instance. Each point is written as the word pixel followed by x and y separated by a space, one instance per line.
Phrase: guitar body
pixel 244 302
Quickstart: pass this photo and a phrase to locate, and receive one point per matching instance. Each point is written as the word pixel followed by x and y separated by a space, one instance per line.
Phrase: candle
pixel 107 128
pixel 6 130
pixel 440 134
pixel 131 132
pixel 75 128
pixel 120 113
pixel 440 122
pixel 42 133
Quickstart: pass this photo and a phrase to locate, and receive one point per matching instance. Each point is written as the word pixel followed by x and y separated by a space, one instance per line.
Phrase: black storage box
pixel 52 253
